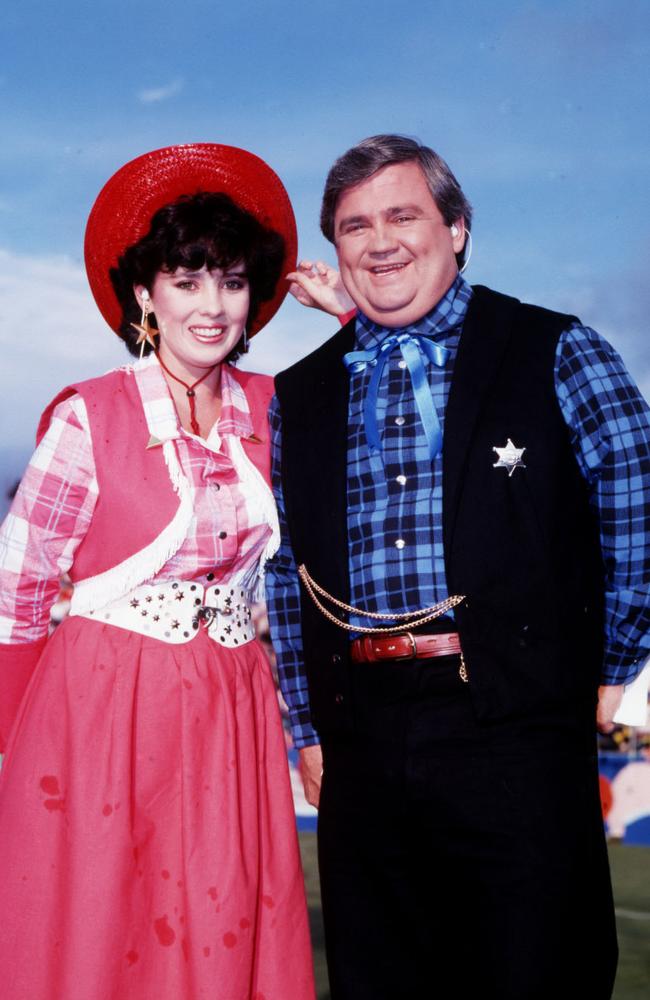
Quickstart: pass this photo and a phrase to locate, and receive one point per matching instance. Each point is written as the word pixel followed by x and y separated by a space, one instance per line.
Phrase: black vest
pixel 524 548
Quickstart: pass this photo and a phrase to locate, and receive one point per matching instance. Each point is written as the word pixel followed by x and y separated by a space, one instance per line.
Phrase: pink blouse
pixel 56 498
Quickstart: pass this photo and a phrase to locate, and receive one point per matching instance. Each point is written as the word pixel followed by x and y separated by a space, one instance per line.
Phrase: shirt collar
pixel 445 316
pixel 160 412
pixel 235 412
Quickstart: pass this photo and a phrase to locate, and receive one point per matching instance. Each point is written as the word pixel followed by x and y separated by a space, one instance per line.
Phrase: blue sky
pixel 541 110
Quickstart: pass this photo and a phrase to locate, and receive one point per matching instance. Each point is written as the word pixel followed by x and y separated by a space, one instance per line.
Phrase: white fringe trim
pixel 256 486
pixel 97 591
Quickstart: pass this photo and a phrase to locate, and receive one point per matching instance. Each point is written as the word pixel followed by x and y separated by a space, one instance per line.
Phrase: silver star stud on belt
pixel 509 457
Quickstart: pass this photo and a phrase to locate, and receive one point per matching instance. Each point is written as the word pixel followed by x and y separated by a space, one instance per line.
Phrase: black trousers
pixel 462 860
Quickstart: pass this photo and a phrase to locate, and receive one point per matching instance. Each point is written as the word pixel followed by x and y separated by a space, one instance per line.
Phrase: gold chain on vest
pixel 409 619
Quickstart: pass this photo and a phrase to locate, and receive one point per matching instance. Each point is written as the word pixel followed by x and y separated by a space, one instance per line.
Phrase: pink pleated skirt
pixel 148 848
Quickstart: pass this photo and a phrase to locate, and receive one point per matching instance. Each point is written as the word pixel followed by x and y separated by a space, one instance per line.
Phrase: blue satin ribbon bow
pixel 412 346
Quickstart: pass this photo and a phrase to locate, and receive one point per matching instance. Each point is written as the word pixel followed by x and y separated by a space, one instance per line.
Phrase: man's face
pixel 396 254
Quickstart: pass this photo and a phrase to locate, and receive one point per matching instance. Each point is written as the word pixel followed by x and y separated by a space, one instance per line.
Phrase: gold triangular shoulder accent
pixel 154 442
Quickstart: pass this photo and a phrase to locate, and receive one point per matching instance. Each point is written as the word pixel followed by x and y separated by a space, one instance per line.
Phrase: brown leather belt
pixel 407 646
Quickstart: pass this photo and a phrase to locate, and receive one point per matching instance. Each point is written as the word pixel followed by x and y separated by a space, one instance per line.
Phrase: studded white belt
pixel 174 612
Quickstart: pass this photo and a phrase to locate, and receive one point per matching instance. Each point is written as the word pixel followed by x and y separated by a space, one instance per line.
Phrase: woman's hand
pixel 319 286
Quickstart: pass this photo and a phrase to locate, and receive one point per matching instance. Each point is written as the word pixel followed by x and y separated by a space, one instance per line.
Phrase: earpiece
pixel 454 229
pixel 145 295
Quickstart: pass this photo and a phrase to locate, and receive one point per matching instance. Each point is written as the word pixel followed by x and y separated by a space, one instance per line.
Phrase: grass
pixel 631 878
pixel 310 866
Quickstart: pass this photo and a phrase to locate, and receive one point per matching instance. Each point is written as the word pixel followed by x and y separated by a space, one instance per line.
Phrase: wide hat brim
pixel 126 204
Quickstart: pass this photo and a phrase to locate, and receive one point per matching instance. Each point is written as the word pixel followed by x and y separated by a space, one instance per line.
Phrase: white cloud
pixel 46 305
pixel 152 95
pixel 51 334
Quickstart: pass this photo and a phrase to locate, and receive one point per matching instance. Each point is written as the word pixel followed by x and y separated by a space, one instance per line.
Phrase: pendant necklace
pixel 189 391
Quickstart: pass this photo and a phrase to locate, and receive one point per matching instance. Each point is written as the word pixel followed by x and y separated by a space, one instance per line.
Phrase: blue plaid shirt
pixel 395 499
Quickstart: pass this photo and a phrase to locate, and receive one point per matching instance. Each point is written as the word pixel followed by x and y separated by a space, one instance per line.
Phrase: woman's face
pixel 200 315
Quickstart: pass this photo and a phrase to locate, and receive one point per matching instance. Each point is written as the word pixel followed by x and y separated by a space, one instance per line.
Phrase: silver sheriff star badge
pixel 509 457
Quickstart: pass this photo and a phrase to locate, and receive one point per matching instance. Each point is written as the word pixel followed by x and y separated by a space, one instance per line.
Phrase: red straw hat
pixel 126 204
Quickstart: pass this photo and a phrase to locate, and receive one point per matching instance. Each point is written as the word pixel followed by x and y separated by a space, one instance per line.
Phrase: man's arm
pixel 609 423
pixel 283 602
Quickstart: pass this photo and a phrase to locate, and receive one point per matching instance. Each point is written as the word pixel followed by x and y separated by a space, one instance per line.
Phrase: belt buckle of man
pixel 410 619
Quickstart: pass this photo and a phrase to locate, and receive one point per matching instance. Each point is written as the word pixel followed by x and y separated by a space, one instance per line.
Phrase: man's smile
pixel 394 268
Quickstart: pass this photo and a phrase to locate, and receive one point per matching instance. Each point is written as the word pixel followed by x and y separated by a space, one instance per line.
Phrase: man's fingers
pixel 313 796
pixel 609 700
pixel 298 293
pixel 311 771
pixel 304 280
pixel 317 274
pixel 301 288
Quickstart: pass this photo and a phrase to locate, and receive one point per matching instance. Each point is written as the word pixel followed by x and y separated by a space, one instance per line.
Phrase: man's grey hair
pixel 370 155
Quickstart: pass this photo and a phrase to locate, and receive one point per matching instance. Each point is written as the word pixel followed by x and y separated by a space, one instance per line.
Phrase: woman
pixel 147 837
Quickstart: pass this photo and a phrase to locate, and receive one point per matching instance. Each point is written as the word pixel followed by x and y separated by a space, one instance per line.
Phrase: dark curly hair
pixel 195 231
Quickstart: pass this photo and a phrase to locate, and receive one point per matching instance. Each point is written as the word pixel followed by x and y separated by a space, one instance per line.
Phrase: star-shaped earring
pixel 146 333
pixel 509 457
pixel 145 330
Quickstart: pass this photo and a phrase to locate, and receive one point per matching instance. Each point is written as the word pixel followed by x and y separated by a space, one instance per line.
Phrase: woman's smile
pixel 207 334
pixel 201 315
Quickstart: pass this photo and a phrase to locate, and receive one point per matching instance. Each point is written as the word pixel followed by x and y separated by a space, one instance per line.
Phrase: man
pixel 460 482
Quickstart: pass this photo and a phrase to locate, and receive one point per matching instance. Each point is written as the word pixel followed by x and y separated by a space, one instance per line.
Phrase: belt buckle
pixel 206 615
pixel 412 652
